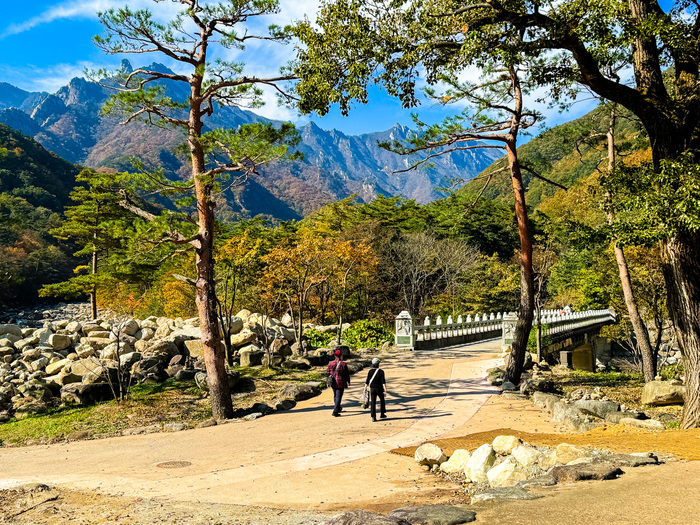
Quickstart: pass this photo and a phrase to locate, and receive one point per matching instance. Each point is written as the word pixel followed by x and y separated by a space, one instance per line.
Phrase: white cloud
pixel 48 79
pixel 86 9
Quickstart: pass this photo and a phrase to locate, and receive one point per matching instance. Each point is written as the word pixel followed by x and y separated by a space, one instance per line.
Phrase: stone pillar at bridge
pixel 404 336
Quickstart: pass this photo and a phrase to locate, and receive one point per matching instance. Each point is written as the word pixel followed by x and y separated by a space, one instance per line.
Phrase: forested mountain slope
pixel 564 154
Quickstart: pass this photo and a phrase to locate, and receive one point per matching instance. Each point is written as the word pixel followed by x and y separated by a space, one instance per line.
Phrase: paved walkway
pixel 297 458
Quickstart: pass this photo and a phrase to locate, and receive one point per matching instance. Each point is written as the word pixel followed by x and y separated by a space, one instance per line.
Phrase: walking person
pixel 376 382
pixel 338 379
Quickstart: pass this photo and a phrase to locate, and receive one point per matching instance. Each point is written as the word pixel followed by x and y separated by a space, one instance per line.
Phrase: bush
pixel 367 333
pixel 318 339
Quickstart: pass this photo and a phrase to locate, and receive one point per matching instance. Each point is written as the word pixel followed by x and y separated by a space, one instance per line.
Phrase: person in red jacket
pixel 338 379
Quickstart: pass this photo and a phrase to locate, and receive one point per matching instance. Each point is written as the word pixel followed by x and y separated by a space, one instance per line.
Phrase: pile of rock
pixel 509 463
pixel 84 361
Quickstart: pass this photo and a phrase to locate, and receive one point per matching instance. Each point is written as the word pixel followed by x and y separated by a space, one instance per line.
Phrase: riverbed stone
pixel 527 457
pixel 585 471
pixel 429 454
pixel 300 391
pixel 434 515
pixel 649 424
pixel 480 462
pixel 363 517
pixel 660 393
pixel 12 329
pixel 504 445
pixel 506 474
pixel 457 462
pixel 597 408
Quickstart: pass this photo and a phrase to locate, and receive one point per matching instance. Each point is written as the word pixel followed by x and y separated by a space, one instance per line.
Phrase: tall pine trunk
pixel 516 362
pixel 214 355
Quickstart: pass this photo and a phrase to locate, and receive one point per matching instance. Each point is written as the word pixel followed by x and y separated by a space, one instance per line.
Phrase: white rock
pixel 480 462
pixel 429 454
pixel 59 341
pixel 565 453
pixel 457 462
pixel 504 445
pixel 506 474
pixel 526 456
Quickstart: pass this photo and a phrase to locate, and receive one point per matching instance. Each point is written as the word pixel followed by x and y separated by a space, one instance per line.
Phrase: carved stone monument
pixel 404 336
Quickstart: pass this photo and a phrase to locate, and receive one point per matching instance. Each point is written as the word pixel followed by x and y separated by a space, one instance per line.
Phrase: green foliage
pixel 651 204
pixel 367 333
pixel 669 372
pixel 318 339
pixel 545 341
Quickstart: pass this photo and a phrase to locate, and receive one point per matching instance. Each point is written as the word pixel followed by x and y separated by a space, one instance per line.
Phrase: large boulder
pixel 659 393
pixel 480 462
pixel 457 463
pixel 86 394
pixel 300 391
pixel 57 366
pixel 597 408
pixel 434 515
pixel 59 341
pixel 545 400
pixel 506 474
pixel 429 454
pixel 527 457
pixel 504 445
pixel 129 327
pixel 585 471
pixel 296 364
pixel 243 338
pixel 162 349
pixel 251 356
pixel 12 329
pixel 97 343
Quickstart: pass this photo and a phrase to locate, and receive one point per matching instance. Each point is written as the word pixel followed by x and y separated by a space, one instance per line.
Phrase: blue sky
pixel 46 43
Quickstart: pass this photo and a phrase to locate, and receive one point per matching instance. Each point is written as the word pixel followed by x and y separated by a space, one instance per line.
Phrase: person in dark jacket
pixel 341 379
pixel 376 382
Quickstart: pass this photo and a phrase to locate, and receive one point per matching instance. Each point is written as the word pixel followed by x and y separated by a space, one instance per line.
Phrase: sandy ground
pixel 299 466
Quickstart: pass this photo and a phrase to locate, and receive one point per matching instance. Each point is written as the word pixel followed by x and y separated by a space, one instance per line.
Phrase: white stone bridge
pixel 573 335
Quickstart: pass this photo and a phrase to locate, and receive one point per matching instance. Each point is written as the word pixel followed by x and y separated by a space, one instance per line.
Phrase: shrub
pixel 367 333
pixel 318 339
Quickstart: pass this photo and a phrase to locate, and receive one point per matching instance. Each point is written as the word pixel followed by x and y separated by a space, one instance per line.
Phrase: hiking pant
pixel 337 396
pixel 373 402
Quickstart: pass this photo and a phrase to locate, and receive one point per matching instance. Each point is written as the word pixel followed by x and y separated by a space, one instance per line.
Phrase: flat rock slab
pixel 626 460
pixel 363 517
pixel 542 481
pixel 585 471
pixel 504 493
pixel 434 515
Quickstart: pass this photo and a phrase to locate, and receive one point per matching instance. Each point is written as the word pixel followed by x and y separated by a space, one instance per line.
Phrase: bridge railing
pixel 488 326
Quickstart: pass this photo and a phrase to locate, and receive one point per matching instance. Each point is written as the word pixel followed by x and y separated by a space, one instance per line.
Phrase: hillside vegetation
pixel 34 188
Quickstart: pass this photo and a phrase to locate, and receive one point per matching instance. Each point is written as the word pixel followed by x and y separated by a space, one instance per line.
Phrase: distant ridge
pixel 336 165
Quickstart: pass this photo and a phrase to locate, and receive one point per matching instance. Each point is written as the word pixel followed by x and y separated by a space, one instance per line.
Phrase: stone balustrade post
pixel 405 336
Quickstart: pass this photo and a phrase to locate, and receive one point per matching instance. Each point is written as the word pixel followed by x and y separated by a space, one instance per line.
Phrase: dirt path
pixel 287 468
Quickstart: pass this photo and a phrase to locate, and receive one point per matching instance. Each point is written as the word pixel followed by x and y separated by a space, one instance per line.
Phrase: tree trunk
pixel 640 329
pixel 514 369
pixel 93 292
pixel 221 405
pixel 681 267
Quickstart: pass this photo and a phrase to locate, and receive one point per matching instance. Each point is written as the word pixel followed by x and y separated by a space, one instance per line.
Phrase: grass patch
pixel 149 404
pixel 605 379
